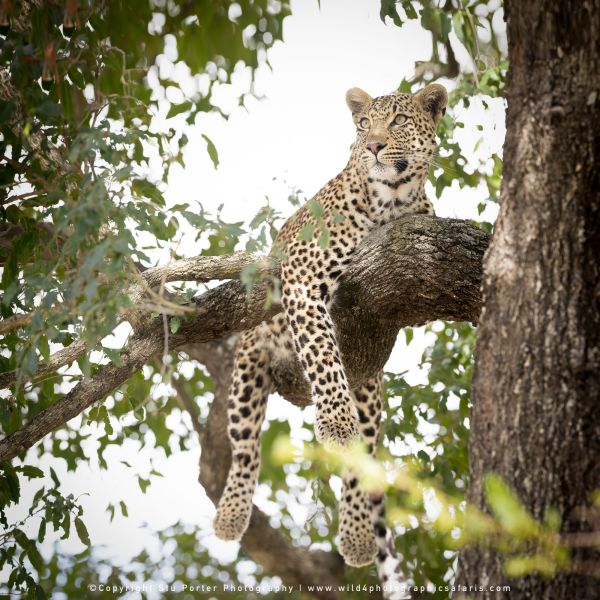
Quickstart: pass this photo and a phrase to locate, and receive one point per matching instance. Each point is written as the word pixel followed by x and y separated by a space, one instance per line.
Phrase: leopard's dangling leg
pixel 248 394
pixel 357 540
pixel 313 333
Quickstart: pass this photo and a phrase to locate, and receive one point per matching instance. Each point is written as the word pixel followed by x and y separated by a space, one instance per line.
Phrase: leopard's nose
pixel 375 148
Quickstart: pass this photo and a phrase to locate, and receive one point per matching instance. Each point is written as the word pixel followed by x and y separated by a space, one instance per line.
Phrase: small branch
pixel 243 311
pixel 449 69
pixel 83 395
pixel 15 322
pixel 58 360
pixel 204 268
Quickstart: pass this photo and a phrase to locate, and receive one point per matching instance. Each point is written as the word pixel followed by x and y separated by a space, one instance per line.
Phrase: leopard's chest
pixel 389 200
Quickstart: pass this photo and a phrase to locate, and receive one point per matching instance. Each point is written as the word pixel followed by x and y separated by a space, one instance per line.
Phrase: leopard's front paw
pixel 339 428
pixel 231 521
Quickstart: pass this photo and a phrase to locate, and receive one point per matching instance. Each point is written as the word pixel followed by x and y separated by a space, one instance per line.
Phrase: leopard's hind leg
pixel 248 394
pixel 357 542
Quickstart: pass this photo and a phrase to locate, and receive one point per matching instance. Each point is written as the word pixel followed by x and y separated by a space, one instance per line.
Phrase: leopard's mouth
pixel 397 164
pixel 391 168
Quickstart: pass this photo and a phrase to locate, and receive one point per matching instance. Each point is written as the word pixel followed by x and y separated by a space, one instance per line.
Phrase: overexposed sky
pixel 300 134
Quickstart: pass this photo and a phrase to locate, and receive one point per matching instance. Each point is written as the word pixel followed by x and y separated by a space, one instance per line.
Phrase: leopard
pixel 383 180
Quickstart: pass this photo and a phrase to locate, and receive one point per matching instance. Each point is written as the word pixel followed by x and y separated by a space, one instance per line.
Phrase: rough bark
pixel 536 387
pixel 414 270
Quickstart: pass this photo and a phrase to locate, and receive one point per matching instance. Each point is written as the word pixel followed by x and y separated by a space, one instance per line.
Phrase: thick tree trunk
pixel 536 418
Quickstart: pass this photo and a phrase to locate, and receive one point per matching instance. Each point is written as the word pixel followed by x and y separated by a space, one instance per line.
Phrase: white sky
pixel 299 133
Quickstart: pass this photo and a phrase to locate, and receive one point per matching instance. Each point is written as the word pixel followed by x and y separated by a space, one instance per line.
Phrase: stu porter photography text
pixel 279 589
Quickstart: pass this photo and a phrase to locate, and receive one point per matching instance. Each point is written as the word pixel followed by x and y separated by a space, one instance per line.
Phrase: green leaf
pixel 103 414
pixel 10 482
pixel 143 187
pixel 82 531
pixel 175 324
pixel 445 24
pixel 459 28
pixel 409 9
pixel 338 217
pixel 113 355
pixel 177 109
pixel 143 483
pixel 30 362
pixel 306 233
pixel 44 347
pixel 42 530
pixel 31 472
pixel 552 519
pixel 508 509
pixel 323 240
pixel 35 557
pixel 248 275
pixel 520 566
pixel 388 9
pixel 212 150
pixel 54 478
pixel 66 525
pixel 21 538
pixel 123 508
pixel 315 208
pixel 424 456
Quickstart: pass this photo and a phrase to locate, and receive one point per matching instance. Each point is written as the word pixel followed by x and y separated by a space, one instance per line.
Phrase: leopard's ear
pixel 357 100
pixel 433 99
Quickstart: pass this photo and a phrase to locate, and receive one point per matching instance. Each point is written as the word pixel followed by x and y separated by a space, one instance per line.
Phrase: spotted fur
pixel 383 180
pixel 389 562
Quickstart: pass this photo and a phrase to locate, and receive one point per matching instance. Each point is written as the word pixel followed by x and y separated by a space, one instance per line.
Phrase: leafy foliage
pixel 18 552
pixel 82 85
pixel 78 203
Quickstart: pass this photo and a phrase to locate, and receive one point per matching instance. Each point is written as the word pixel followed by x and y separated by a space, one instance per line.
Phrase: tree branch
pixel 203 268
pixel 199 269
pixel 407 273
pixel 59 359
pixel 14 322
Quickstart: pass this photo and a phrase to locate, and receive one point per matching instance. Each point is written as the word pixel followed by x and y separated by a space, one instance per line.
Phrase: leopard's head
pixel 396 133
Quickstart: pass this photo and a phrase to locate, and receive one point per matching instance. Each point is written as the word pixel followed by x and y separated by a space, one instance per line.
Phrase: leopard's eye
pixel 364 123
pixel 399 120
